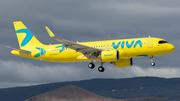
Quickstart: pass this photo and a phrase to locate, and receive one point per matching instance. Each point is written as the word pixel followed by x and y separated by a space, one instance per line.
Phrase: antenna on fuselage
pixel 149 36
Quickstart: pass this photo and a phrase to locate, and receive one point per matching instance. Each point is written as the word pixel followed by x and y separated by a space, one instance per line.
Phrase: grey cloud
pixel 28 73
pixel 81 20
pixel 23 74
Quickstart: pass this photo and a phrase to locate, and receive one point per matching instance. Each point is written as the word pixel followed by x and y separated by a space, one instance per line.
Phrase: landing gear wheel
pixel 152 64
pixel 91 65
pixel 101 69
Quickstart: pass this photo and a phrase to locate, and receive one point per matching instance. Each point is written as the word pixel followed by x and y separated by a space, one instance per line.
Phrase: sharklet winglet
pixel 49 32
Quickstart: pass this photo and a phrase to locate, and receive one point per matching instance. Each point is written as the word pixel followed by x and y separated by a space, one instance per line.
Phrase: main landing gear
pixel 152 62
pixel 91 65
pixel 100 68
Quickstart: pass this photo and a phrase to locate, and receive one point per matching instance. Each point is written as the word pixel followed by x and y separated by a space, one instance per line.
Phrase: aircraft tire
pixel 101 69
pixel 152 63
pixel 91 65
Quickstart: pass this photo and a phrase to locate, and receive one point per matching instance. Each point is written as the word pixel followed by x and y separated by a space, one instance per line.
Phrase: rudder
pixel 25 38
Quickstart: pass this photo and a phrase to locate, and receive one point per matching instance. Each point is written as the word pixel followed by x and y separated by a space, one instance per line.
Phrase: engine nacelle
pixel 109 55
pixel 123 63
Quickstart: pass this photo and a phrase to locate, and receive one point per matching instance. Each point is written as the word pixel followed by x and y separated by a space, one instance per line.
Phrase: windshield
pixel 162 42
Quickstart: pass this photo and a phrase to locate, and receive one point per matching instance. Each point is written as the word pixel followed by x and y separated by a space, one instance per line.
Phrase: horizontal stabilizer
pixel 20 50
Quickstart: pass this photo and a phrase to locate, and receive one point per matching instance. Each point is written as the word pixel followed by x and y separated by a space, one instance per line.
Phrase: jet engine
pixel 109 55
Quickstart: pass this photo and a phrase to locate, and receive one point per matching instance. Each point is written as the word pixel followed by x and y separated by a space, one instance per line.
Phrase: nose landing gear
pixel 152 62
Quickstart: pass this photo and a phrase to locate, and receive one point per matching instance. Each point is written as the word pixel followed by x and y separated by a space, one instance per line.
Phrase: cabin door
pixel 150 43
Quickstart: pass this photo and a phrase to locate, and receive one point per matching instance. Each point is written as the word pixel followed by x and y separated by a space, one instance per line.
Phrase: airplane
pixel 119 52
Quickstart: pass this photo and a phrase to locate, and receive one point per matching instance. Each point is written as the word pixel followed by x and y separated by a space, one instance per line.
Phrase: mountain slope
pixel 73 93
pixel 126 88
pixel 69 93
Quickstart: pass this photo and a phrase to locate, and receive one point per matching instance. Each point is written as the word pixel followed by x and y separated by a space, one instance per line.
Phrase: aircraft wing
pixel 86 50
pixel 20 50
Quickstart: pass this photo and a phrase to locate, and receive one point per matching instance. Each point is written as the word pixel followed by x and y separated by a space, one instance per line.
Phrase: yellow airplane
pixel 118 52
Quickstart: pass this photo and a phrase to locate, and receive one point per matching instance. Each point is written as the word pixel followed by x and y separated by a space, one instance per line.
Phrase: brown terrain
pixel 73 93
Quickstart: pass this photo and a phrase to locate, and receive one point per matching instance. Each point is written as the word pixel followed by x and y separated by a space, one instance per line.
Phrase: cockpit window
pixel 162 42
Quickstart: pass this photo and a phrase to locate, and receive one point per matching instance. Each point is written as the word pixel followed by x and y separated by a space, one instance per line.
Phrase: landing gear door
pixel 150 43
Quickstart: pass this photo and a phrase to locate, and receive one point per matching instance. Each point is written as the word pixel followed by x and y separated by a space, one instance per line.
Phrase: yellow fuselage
pixel 128 48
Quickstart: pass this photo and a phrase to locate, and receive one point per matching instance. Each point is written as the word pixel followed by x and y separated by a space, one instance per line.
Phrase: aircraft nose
pixel 172 48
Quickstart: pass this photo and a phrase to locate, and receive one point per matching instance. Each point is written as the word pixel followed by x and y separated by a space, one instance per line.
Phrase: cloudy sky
pixel 87 20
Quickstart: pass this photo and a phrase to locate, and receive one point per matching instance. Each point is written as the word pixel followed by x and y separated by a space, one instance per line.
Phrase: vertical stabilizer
pixel 25 38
